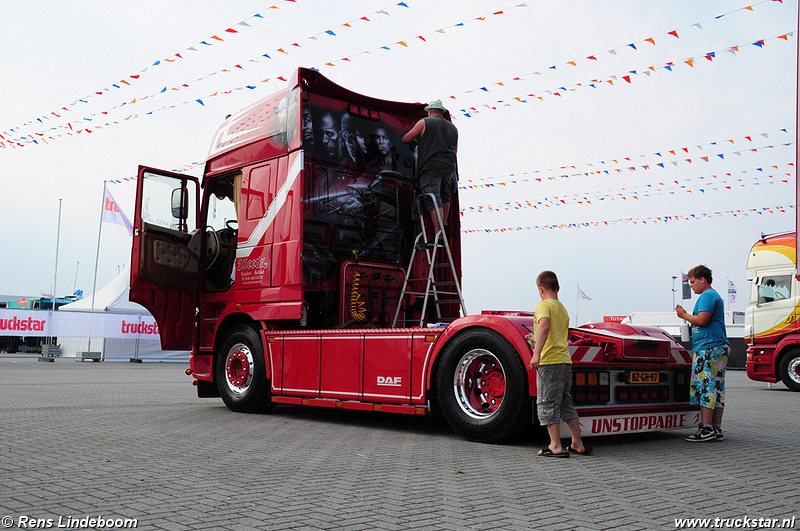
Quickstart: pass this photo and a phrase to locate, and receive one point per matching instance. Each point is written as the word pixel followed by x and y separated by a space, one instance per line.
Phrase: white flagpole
pixel 97 258
pixel 58 237
pixel 577 299
pixel 97 255
pixel 48 356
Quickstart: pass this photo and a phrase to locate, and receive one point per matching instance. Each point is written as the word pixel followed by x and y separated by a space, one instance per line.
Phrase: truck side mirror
pixel 180 197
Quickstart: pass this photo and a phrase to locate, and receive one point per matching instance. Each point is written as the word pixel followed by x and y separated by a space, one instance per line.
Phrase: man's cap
pixel 435 104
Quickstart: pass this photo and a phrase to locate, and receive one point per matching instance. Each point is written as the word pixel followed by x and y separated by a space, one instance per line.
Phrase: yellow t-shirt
pixel 555 349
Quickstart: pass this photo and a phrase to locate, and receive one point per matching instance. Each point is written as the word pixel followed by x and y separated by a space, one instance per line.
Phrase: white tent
pixel 113 298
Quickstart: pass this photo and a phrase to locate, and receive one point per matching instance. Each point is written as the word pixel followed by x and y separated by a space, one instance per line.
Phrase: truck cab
pixel 299 191
pixel 773 317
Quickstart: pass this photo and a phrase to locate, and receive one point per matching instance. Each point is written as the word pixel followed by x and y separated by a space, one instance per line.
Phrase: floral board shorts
pixel 708 377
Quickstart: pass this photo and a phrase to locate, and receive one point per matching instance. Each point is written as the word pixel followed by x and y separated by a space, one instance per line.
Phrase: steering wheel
pixel 212 246
pixel 778 295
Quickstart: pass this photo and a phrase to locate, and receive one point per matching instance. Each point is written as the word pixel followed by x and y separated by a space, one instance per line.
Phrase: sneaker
pixel 704 434
pixel 718 434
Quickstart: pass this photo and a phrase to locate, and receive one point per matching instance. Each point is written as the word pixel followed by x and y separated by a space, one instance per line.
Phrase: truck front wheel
pixel 789 369
pixel 241 373
pixel 482 387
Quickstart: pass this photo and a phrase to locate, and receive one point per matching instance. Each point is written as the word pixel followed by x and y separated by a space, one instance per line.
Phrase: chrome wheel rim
pixel 239 368
pixel 794 370
pixel 479 384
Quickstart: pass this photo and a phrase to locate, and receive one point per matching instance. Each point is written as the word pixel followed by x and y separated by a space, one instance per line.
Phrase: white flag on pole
pixel 582 295
pixel 113 214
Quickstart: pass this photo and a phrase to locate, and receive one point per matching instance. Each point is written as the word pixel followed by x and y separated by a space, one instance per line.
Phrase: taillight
pixel 591 387
pixel 682 380
pixel 642 393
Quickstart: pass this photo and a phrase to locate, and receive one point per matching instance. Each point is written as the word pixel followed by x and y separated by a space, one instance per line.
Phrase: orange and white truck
pixel 295 274
pixel 772 320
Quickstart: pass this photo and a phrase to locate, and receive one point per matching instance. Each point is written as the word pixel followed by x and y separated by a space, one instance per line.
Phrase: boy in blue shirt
pixel 711 348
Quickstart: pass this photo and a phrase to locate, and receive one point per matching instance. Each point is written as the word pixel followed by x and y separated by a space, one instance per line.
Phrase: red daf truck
pixel 288 272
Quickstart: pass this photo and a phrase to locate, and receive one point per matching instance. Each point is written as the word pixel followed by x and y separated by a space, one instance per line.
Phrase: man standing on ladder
pixel 437 141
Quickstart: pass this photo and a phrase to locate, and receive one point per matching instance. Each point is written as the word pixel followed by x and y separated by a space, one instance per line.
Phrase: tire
pixel 493 407
pixel 240 372
pixel 789 369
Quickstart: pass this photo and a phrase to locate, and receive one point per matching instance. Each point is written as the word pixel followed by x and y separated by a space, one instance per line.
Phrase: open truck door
pixel 166 255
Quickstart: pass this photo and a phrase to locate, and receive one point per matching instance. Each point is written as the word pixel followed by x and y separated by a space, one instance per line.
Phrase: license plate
pixel 643 377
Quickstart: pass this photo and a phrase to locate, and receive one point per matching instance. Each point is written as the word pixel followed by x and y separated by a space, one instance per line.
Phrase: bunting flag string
pixel 651 220
pixel 425 36
pixel 20 141
pixel 194 48
pixel 131 79
pixel 283 49
pixel 693 185
pixel 70 131
pixel 520 177
pixel 183 168
pixel 594 57
pixel 561 91
pixel 82 125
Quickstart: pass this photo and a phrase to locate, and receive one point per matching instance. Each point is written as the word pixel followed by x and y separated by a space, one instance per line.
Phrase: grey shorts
pixel 553 384
pixel 440 183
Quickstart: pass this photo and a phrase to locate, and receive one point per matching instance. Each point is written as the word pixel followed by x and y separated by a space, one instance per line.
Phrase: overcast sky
pixel 618 143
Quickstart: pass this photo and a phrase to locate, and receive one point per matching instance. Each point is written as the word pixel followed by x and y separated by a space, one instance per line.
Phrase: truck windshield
pixel 773 288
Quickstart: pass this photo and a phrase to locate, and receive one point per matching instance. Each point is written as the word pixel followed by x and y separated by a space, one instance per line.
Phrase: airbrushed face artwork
pixel 360 173
pixel 338 137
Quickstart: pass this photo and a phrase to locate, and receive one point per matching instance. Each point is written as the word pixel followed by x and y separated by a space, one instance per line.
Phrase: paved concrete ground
pixel 121 440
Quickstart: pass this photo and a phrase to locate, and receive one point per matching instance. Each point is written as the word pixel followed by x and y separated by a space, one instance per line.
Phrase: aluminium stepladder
pixel 437 256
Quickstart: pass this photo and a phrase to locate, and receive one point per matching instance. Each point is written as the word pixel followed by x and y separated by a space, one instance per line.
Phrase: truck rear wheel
pixel 240 372
pixel 789 369
pixel 482 387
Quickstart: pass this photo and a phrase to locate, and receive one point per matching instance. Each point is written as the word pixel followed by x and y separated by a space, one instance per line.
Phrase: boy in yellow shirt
pixel 553 365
